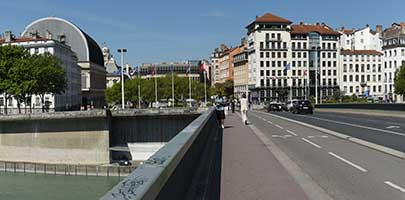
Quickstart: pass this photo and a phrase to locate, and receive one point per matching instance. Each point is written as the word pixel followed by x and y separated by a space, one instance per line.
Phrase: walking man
pixel 220 109
pixel 244 108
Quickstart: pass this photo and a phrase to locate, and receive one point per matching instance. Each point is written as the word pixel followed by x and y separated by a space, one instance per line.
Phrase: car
pixel 274 106
pixel 302 106
pixel 290 104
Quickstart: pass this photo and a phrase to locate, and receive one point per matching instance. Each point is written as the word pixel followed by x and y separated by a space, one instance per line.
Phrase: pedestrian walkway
pixel 250 170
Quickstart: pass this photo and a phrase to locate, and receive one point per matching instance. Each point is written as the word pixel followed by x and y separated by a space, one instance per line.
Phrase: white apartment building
pixel 394 57
pixel 274 43
pixel 71 98
pixel 362 73
pixel 361 39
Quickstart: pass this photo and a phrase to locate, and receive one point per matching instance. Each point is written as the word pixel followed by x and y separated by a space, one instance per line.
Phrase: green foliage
pixel 225 89
pixel 164 86
pixel 22 74
pixel 399 81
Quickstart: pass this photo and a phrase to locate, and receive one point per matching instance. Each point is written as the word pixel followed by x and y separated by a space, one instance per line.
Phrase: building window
pixel 1 101
pixel 261 55
pixel 344 78
pixel 261 63
pixel 261 45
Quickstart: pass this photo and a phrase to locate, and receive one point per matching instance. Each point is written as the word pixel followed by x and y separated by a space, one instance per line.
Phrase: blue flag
pixel 287 67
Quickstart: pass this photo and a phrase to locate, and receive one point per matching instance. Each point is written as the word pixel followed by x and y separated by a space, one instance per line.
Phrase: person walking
pixel 220 109
pixel 233 105
pixel 244 108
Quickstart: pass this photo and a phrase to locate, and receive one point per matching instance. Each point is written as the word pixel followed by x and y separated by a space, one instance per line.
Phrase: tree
pixel 49 76
pixel 22 82
pixel 10 58
pixel 399 81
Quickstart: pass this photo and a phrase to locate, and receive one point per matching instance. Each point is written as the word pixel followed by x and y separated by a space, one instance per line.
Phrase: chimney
pixel 342 28
pixel 323 24
pixel 224 47
pixel 301 23
pixel 403 27
pixel 48 35
pixel 367 25
pixel 317 23
pixel 379 29
pixel 243 41
pixel 8 36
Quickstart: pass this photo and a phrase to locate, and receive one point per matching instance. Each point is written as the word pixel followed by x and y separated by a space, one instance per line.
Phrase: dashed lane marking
pixel 395 186
pixel 311 143
pixel 348 162
pixel 278 126
pixel 292 133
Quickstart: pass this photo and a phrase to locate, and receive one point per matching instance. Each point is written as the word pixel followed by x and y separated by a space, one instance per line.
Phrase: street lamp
pixel 122 51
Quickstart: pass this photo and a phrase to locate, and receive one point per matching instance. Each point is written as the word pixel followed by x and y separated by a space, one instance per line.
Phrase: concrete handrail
pixel 149 178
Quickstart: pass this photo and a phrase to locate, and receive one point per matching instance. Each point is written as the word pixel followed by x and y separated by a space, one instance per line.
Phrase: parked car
pixel 290 104
pixel 302 106
pixel 274 107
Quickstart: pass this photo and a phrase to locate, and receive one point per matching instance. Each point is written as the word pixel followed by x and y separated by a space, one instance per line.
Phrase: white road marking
pixel 391 127
pixel 270 122
pixel 348 162
pixel 292 133
pixel 359 126
pixel 311 143
pixel 317 136
pixel 395 186
pixel 281 136
pixel 278 126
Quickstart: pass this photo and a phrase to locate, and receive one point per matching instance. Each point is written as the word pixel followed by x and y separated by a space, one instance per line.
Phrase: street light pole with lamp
pixel 122 51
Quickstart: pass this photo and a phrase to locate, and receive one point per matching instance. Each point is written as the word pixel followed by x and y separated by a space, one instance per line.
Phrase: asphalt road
pixel 345 170
pixel 385 131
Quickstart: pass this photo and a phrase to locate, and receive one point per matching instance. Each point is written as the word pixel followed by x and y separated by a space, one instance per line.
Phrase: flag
pixel 202 67
pixel 305 72
pixel 287 67
pixel 154 71
pixel 172 68
pixel 188 71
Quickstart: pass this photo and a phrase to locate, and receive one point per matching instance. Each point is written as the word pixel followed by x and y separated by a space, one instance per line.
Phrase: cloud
pixel 214 14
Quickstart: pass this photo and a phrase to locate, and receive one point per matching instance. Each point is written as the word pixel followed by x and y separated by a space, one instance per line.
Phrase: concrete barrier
pixel 188 167
pixel 84 138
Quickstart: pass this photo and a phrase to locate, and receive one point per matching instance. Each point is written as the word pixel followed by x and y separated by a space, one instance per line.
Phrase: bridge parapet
pixel 187 167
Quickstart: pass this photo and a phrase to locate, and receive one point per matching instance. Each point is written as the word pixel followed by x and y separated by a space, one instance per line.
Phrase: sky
pixel 178 30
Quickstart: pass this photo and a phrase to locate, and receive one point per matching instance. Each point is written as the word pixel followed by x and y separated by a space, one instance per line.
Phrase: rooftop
pixel 361 52
pixel 322 29
pixel 270 18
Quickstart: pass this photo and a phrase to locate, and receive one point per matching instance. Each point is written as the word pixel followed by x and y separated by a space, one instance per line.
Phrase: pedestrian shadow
pixel 226 127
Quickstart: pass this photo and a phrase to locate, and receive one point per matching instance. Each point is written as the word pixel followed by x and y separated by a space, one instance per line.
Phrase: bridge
pixel 337 153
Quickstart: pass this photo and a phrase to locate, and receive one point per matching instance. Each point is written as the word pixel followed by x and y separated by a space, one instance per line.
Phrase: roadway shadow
pixel 226 127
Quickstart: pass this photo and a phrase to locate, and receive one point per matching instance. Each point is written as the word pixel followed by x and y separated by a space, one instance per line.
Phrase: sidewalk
pixel 250 170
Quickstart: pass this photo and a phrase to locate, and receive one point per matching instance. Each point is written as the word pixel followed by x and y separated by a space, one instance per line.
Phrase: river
pixel 19 186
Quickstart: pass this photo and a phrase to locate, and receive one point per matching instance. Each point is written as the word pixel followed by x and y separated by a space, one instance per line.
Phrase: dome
pixel 82 44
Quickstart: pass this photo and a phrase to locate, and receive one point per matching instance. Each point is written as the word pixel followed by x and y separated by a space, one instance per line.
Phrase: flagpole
pixel 139 87
pixel 189 87
pixel 205 87
pixel 156 93
pixel 172 87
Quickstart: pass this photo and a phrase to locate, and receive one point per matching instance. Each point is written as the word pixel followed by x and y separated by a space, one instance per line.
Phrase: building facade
pixel 89 54
pixel 179 68
pixel 394 57
pixel 362 73
pixel 71 98
pixel 283 59
pixel 241 77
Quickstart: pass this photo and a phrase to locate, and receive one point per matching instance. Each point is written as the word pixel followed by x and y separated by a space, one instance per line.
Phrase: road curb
pixel 359 112
pixel 377 147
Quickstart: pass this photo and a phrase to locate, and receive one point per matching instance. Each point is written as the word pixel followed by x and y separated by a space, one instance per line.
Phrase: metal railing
pixel 187 167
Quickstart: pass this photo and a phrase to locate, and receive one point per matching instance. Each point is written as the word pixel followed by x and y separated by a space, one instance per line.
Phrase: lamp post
pixel 122 51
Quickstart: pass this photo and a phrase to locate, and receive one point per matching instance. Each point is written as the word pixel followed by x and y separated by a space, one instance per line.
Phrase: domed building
pixel 89 54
